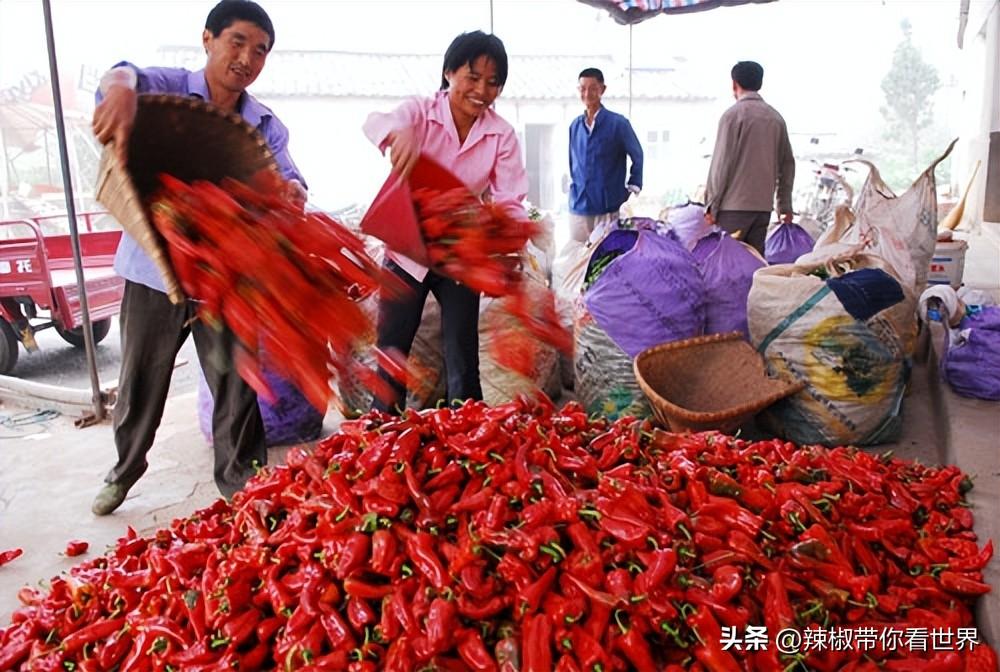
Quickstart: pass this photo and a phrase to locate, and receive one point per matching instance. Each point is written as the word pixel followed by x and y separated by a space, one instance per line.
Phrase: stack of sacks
pixel 726 265
pixel 641 289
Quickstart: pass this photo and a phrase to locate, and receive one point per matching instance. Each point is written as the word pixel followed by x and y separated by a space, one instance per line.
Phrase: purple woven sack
pixel 972 364
pixel 290 419
pixel 651 294
pixel 787 243
pixel 727 267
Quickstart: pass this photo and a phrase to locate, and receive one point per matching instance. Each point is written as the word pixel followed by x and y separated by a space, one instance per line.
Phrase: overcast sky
pixel 824 59
pixel 833 52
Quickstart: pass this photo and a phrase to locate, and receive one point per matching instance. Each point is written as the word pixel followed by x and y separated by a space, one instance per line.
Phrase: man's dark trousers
pixel 751 225
pixel 152 332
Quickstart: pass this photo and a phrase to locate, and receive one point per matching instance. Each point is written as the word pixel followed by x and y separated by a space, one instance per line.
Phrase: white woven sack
pixel 426 355
pixel 495 324
pixel 901 229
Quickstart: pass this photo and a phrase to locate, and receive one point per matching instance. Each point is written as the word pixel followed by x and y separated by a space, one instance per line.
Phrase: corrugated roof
pixel 343 74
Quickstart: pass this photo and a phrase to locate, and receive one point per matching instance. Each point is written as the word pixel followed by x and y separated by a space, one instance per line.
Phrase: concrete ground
pixel 50 471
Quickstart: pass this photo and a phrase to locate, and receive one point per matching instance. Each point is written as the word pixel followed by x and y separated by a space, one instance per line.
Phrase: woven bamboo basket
pixel 709 382
pixel 185 137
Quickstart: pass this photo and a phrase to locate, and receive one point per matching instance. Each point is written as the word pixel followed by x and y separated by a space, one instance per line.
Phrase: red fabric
pixel 391 217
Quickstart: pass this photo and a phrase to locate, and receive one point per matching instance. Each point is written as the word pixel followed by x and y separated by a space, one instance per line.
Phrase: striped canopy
pixel 633 11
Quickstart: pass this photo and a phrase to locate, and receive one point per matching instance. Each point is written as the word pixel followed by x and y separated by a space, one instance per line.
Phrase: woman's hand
pixel 114 119
pixel 404 150
pixel 295 194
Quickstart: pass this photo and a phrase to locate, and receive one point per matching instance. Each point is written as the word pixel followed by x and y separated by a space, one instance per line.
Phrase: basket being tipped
pixel 189 139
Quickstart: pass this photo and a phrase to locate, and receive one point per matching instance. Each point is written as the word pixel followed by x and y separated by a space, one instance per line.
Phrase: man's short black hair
pixel 467 47
pixel 228 11
pixel 749 75
pixel 592 72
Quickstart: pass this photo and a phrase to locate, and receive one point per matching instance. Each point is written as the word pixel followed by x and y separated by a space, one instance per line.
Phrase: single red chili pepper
pixel 709 650
pixel 659 567
pixel 7 556
pixel 75 547
pixel 726 583
pixel 401 611
pixel 267 627
pixel 337 630
pixel 353 555
pixel 481 611
pixel 359 613
pixel 97 630
pixel 441 624
pixel 477 502
pixel 778 613
pixel 383 543
pixel 16 648
pixel 961 584
pixel 637 650
pixel 399 657
pixel 536 644
pixel 255 658
pixel 452 474
pixel 980 658
pixel 974 561
pixel 112 651
pixel 367 591
pixel 530 597
pixel 567 663
pixel 473 651
pixel 420 548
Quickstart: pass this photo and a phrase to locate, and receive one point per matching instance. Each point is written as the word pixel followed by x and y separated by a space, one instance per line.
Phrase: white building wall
pixel 980 108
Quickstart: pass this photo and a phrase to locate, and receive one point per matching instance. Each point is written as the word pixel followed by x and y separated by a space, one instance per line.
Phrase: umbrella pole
pixel 630 71
pixel 88 332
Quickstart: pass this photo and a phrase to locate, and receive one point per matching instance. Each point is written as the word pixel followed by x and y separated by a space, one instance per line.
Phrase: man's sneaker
pixel 109 498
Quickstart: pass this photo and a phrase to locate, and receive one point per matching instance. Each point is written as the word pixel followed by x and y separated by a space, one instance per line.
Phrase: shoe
pixel 108 499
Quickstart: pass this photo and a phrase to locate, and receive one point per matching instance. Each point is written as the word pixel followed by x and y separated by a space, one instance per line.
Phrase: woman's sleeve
pixel 509 180
pixel 380 125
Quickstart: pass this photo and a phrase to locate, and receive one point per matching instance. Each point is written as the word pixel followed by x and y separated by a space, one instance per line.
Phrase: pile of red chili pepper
pixel 469 241
pixel 522 537
pixel 284 281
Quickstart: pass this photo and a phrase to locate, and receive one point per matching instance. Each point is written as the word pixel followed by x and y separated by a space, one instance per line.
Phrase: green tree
pixel 909 88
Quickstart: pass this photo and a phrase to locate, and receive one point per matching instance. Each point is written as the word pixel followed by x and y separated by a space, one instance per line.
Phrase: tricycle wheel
pixel 8 347
pixel 75 336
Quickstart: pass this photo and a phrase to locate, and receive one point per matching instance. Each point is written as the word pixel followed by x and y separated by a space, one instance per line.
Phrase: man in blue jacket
pixel 599 141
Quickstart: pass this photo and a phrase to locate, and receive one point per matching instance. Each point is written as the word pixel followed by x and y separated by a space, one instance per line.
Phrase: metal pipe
pixel 630 71
pixel 88 332
pixel 491 17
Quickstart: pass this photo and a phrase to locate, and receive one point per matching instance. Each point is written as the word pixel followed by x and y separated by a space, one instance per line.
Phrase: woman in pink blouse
pixel 458 128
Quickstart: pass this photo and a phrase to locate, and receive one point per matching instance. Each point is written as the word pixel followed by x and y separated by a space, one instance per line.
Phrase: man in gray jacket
pixel 752 159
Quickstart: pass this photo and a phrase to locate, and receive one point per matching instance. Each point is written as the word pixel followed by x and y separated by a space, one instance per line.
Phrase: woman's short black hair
pixel 467 47
pixel 228 11
pixel 749 75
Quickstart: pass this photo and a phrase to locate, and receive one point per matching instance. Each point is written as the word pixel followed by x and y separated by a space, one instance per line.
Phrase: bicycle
pixel 830 189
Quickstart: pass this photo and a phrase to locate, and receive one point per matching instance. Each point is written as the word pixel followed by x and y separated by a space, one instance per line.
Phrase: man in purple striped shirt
pixel 238 36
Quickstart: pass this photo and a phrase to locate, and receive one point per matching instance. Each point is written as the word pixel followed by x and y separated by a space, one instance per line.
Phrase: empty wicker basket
pixel 709 382
pixel 185 137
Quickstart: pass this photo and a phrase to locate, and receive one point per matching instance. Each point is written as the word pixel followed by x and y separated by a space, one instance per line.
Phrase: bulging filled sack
pixel 840 327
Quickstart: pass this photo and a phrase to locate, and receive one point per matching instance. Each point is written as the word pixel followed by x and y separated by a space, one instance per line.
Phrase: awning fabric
pixel 633 11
